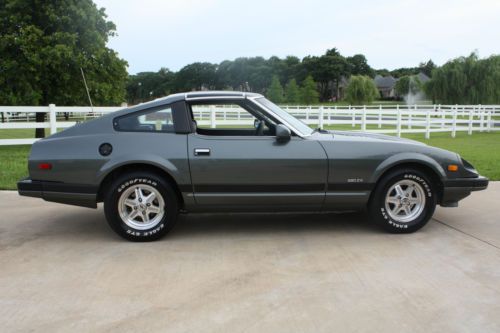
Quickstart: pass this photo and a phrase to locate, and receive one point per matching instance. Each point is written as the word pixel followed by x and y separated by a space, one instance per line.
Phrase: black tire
pixel 144 180
pixel 383 214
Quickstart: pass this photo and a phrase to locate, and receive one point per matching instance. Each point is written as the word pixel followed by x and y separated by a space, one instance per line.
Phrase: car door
pixel 256 171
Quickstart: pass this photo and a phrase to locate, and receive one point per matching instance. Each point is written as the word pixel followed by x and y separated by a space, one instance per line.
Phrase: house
pixel 385 85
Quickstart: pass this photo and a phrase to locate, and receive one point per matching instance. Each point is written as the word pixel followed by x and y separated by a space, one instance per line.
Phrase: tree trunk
pixel 40 118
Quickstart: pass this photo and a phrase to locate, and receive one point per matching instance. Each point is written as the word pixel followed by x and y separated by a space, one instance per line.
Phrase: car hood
pixel 371 136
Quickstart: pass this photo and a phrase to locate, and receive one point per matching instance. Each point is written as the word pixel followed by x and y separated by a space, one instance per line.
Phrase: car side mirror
pixel 283 133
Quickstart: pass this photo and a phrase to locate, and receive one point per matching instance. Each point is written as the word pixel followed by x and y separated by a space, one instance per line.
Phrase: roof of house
pixel 422 77
pixel 386 82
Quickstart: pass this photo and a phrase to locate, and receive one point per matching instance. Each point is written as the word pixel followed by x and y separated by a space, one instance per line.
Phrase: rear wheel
pixel 403 201
pixel 141 206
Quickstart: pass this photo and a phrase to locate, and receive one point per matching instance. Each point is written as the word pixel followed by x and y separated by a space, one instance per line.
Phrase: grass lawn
pixel 481 149
pixel 13 165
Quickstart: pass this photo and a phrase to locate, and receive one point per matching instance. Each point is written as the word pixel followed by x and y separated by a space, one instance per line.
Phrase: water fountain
pixel 415 93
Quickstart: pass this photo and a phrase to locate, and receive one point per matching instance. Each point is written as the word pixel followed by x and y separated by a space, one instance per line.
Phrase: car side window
pixel 230 119
pixel 159 120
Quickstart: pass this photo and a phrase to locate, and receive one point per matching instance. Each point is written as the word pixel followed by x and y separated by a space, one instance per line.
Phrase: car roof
pixel 189 96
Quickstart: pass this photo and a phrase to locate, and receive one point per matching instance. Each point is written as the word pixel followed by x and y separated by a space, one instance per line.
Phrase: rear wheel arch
pixel 134 167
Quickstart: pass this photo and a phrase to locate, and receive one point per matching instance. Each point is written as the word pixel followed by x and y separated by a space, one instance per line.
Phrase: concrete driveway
pixel 62 269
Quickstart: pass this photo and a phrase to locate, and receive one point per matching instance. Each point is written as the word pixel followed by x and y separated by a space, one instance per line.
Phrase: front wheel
pixel 141 206
pixel 403 201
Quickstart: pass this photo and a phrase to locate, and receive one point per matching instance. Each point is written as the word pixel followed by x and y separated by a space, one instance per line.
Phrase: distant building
pixel 385 85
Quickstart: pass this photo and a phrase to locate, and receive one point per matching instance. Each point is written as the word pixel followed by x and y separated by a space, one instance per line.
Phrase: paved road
pixel 62 269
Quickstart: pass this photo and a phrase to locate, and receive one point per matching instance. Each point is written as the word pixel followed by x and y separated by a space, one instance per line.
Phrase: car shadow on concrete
pixel 213 225
pixel 91 225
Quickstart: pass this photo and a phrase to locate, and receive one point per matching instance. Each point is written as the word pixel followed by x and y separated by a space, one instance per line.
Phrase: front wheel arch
pixel 427 170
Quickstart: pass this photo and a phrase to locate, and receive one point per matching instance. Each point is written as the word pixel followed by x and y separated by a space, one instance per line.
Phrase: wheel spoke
pixel 407 210
pixel 145 217
pixel 393 200
pixel 409 190
pixel 398 210
pixel 133 214
pixel 130 203
pixel 138 194
pixel 414 201
pixel 150 198
pixel 154 209
pixel 399 190
pixel 395 209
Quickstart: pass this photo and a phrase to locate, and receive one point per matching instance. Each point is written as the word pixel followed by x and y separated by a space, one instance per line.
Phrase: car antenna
pixel 87 89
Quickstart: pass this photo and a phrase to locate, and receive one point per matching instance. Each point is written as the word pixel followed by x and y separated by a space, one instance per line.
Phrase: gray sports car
pixel 149 162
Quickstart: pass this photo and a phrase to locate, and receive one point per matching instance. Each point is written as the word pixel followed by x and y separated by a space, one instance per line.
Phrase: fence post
pixel 454 123
pixel 398 121
pixel 380 116
pixel 52 119
pixel 329 115
pixel 320 117
pixel 308 109
pixel 443 116
pixel 428 124
pixel 363 119
pixel 353 114
pixel 410 115
pixel 481 118
pixel 212 117
pixel 471 119
pixel 488 124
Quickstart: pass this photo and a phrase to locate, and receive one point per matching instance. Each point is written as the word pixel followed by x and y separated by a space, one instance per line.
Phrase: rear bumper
pixel 456 189
pixel 71 194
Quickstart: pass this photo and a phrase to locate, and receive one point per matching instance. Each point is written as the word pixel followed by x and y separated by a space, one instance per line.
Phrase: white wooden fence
pixel 393 119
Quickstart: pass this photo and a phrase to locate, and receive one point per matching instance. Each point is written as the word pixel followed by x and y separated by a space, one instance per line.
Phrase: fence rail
pixel 390 119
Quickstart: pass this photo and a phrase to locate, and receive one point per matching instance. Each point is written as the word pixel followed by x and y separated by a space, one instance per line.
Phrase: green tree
pixel 327 71
pixel 308 92
pixel 196 76
pixel 405 71
pixel 427 67
pixel 292 92
pixel 409 84
pixel 361 89
pixel 358 65
pixel 466 80
pixel 275 91
pixel 145 86
pixel 43 45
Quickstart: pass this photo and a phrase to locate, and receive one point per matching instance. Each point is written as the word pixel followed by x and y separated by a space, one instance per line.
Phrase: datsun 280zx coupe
pixel 150 162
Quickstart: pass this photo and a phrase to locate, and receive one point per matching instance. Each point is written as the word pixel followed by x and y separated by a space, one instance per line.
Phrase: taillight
pixel 45 166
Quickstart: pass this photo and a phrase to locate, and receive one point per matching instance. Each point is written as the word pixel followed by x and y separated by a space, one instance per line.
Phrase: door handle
pixel 201 152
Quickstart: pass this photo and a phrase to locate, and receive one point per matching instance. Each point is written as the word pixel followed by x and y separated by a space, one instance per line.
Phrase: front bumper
pixel 455 190
pixel 71 194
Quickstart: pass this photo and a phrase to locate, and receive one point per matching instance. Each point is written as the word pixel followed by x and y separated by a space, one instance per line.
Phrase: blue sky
pixel 173 33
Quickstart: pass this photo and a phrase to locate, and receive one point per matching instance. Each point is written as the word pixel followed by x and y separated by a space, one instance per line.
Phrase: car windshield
pixel 288 118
